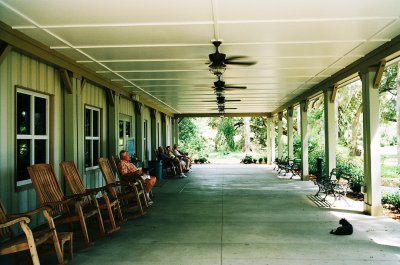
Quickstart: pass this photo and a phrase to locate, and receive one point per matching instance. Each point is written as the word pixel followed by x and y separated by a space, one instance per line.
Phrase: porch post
pixel 280 132
pixel 138 130
pixel 175 131
pixel 272 140
pixel 371 143
pixel 304 139
pixel 330 132
pixel 113 125
pixel 290 132
pixel 71 121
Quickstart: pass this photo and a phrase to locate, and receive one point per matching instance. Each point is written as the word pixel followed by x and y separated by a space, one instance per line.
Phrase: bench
pixel 335 184
pixel 290 166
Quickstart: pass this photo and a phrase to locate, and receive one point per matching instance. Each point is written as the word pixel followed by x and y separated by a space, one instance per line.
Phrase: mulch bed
pixel 388 209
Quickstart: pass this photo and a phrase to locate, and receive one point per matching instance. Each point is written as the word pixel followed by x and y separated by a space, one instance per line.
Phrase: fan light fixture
pixel 217 69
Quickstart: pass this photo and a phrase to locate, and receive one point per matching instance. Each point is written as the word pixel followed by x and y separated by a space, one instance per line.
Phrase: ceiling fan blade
pixel 230 108
pixel 208 101
pixel 235 87
pixel 236 57
pixel 229 87
pixel 232 100
pixel 248 63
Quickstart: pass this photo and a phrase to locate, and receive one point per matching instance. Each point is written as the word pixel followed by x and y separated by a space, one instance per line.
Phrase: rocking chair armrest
pixel 96 190
pixel 15 221
pixel 28 214
pixel 65 201
pixel 78 196
pixel 130 183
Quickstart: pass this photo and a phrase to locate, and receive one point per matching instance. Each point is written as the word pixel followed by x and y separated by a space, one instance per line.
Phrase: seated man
pixel 182 156
pixel 129 171
pixel 179 163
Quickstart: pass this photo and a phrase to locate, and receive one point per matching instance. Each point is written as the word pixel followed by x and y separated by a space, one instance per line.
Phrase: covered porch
pixel 244 214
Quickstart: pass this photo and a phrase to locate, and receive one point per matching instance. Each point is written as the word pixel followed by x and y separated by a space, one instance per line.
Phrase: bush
pixel 260 160
pixel 354 168
pixel 392 198
pixel 248 159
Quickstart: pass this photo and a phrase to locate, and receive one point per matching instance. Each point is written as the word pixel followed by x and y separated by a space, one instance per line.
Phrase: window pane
pixel 40 116
pixel 87 122
pixel 128 129
pixel 96 116
pixel 121 129
pixel 40 151
pixel 88 148
pixel 23 113
pixel 96 151
pixel 23 159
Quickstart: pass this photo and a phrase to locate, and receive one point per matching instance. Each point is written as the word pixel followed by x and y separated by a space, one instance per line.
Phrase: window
pixel 32 132
pixel 92 137
pixel 125 129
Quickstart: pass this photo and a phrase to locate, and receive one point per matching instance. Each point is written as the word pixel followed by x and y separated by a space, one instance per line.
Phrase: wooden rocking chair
pixel 29 240
pixel 75 185
pixel 140 184
pixel 127 193
pixel 49 194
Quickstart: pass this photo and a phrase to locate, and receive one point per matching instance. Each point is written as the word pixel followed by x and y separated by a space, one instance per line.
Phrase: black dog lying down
pixel 345 229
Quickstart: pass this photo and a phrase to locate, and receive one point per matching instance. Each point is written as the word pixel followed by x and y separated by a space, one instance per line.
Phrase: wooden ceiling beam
pixel 5 49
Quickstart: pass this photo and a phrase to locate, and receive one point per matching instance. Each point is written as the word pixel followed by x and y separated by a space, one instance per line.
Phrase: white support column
pixel 371 143
pixel 272 140
pixel 290 132
pixel 175 131
pixel 304 139
pixel 280 132
pixel 330 132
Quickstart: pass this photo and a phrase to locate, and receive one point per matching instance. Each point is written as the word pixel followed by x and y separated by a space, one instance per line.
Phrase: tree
pixel 225 135
pixel 190 138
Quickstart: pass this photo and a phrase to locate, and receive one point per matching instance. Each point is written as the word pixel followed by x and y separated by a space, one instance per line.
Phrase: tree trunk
pixel 398 113
pixel 354 131
pixel 246 134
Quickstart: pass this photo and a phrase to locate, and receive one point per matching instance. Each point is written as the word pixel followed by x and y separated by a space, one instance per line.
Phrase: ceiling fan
pixel 221 100
pixel 221 108
pixel 218 61
pixel 219 86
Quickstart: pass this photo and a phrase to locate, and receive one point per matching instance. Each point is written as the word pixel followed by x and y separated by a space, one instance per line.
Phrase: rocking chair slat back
pixel 46 186
pixel 72 177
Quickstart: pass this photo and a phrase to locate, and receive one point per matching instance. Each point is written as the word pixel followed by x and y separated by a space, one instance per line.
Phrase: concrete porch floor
pixel 244 214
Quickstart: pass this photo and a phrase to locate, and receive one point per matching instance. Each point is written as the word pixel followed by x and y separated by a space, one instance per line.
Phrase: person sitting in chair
pixel 182 156
pixel 178 162
pixel 129 171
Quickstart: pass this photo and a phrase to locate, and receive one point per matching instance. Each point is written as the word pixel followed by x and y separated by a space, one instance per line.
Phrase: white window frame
pixel 31 136
pixel 122 143
pixel 91 137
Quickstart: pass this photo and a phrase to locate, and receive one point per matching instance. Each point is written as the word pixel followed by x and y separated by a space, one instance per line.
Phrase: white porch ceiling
pixel 158 49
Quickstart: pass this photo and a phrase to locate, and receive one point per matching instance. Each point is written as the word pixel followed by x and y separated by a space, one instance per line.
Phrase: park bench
pixel 289 166
pixel 335 184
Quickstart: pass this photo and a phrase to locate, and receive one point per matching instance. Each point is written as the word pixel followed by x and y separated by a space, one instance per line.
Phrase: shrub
pixel 354 168
pixel 248 159
pixel 392 198
pixel 260 160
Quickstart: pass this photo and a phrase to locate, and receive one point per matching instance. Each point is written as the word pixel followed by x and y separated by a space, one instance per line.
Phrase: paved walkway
pixel 245 214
